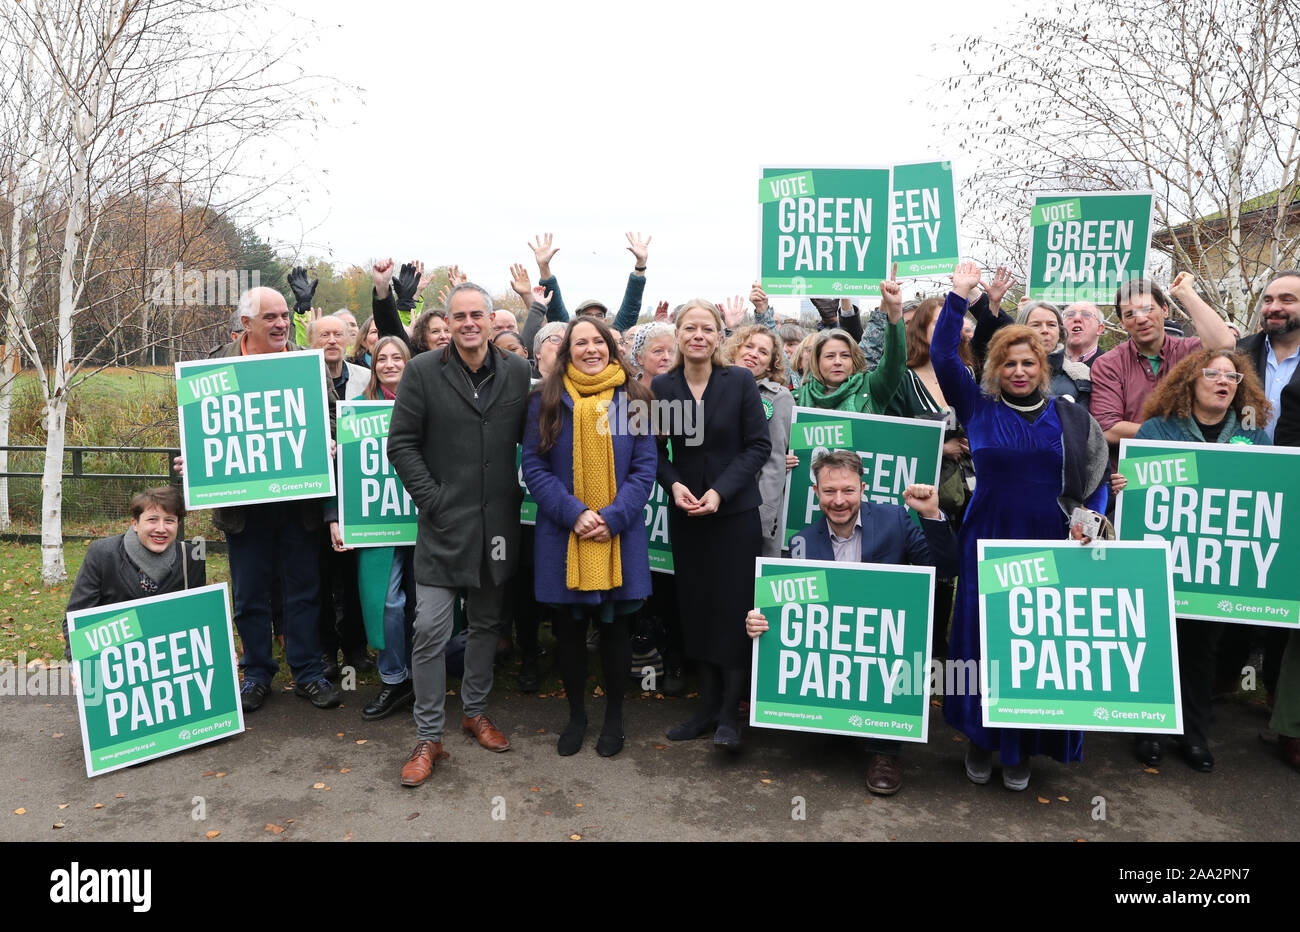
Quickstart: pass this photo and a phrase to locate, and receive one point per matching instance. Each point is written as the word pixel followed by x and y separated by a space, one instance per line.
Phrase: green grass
pixel 31 620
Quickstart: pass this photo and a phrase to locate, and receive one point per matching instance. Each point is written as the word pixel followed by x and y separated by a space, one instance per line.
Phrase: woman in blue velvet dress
pixel 1035 461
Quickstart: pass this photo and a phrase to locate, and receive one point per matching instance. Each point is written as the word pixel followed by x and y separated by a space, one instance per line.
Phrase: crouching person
pixel 146 560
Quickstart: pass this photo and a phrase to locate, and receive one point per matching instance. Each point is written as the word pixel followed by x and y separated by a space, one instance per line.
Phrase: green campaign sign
pixel 656 529
pixel 847 651
pixel 923 220
pixel 896 452
pixel 1078 637
pixel 824 231
pixel 1085 243
pixel 154 676
pixel 527 508
pixel 1230 513
pixel 254 429
pixel 656 521
pixel 374 508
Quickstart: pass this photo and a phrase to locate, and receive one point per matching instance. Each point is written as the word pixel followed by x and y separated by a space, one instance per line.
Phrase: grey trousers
pixel 429 637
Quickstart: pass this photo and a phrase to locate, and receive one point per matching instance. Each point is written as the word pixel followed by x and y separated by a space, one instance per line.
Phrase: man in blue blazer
pixel 854 531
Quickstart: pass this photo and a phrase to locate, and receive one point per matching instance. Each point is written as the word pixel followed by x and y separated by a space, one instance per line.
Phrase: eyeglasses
pixel 1086 315
pixel 1214 375
pixel 556 338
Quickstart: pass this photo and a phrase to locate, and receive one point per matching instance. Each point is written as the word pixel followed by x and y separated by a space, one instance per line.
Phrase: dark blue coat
pixel 889 535
pixel 549 477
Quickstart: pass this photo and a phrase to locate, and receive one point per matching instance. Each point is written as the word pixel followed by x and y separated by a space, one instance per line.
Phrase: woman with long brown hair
pixel 589 462
pixel 1207 398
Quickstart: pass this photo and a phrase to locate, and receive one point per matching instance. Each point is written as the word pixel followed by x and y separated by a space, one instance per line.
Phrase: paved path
pixel 654 790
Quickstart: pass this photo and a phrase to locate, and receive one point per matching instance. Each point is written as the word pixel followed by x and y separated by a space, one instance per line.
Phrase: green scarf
pixel 853 394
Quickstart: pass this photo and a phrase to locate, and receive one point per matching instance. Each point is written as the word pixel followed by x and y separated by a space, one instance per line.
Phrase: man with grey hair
pixel 1084 325
pixel 276 540
pixel 350 321
pixel 330 335
pixel 456 424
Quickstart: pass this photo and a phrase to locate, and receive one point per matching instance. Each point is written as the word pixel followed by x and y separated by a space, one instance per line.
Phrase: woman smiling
pixel 591 482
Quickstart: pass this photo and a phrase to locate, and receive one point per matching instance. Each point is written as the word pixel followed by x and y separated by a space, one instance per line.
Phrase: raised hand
pixel 733 312
pixel 456 277
pixel 541 295
pixel 425 277
pixel 519 282
pixel 303 289
pixel 640 248
pixel 1003 281
pixel 758 298
pixel 543 252
pixel 661 311
pixel 923 499
pixel 965 277
pixel 407 285
pixel 891 296
pixel 1183 285
pixel 382 273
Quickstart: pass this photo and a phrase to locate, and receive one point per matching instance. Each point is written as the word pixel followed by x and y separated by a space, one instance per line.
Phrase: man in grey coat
pixel 457 421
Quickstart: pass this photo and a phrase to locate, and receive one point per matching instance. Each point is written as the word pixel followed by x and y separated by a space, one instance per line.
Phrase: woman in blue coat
pixel 589 459
pixel 1035 461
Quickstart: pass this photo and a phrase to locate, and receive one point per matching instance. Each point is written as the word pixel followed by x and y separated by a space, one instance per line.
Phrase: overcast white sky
pixel 482 124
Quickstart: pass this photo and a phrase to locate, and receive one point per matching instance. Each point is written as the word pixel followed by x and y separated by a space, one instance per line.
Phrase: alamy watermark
pixel 659 418
pixel 182 287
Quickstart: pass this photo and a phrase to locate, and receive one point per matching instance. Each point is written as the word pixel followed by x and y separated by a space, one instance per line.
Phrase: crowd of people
pixel 1033 412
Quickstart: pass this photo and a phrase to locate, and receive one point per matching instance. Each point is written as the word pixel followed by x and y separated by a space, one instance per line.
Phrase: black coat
pixel 454 450
pixel 108 576
pixel 1286 432
pixel 731 444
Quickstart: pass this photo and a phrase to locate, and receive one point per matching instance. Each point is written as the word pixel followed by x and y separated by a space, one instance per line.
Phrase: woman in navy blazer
pixel 714 440
pixel 590 354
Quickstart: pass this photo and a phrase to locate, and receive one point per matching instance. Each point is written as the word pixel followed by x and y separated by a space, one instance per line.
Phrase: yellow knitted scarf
pixel 593 566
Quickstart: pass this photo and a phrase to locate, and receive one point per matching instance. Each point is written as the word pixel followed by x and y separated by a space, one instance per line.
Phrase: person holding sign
pixel 714 524
pixel 1203 399
pixel 1036 461
pixel 839 379
pixel 145 560
pixel 270 539
pixel 453 439
pixel 851 531
pixel 386 573
pixel 756 348
pixel 591 481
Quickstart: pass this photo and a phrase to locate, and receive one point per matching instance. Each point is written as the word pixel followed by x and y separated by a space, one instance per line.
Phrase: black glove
pixel 406 284
pixel 303 290
pixel 829 309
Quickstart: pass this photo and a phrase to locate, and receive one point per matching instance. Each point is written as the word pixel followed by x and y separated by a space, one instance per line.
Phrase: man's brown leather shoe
pixel 487 734
pixel 420 764
pixel 884 776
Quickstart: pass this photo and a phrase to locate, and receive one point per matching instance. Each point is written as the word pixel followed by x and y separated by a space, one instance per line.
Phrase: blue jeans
pixel 395 659
pixel 275 542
